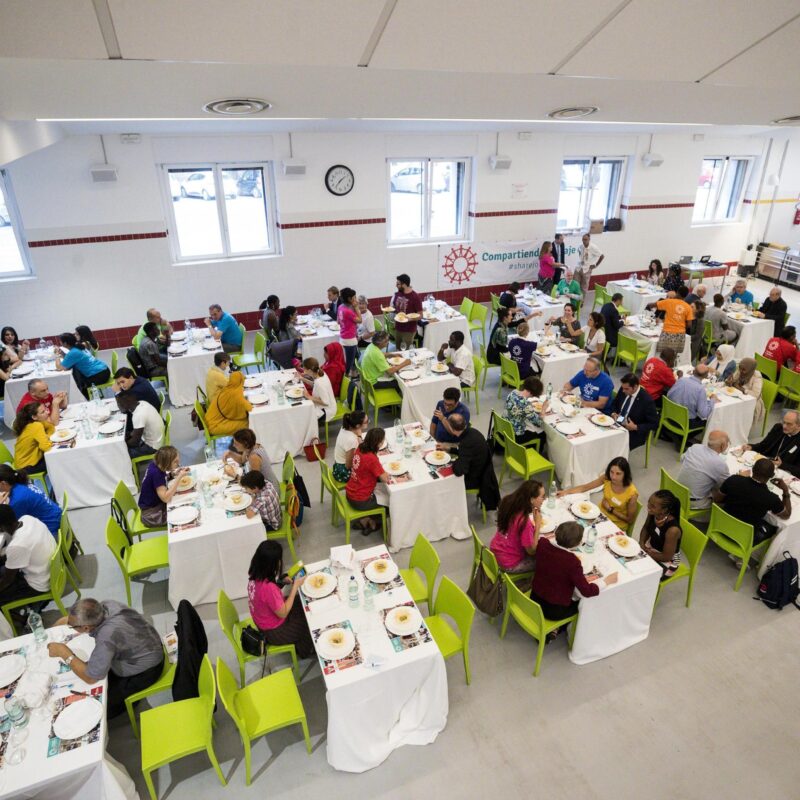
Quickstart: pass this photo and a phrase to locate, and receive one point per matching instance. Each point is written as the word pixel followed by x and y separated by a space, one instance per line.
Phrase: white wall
pixel 110 284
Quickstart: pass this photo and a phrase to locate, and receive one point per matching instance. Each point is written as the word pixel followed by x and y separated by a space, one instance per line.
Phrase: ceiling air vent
pixel 237 107
pixel 573 113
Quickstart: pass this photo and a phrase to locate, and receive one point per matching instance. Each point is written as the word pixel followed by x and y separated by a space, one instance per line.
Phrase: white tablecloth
pixel 85 771
pixel 91 470
pixel 560 365
pixel 635 298
pixel 447 320
pixel 214 555
pixel 632 328
pixel 56 382
pixel 582 459
pixel 754 333
pixel 188 371
pixel 373 710
pixel 548 306
pixel 619 616
pixel 420 395
pixel 434 507
pixel 282 428
pixel 314 344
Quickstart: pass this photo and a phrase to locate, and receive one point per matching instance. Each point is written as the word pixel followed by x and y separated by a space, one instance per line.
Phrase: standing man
pixel 405 301
pixel 559 253
pixel 224 328
pixel 589 257
pixel 613 320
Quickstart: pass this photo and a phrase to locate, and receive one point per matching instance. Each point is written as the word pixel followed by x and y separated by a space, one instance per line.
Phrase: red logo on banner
pixel 460 264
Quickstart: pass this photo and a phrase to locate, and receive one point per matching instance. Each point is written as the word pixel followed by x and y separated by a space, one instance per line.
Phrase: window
pixel 590 189
pixel 427 199
pixel 14 261
pixel 720 189
pixel 221 210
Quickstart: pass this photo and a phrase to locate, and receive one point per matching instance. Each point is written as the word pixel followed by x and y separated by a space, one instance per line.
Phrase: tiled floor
pixel 706 707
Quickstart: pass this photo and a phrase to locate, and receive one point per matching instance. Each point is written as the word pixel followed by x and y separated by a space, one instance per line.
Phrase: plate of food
pixel 252 382
pixel 440 367
pixel 623 545
pixel 732 391
pixel 538 405
pixel 381 570
pixel 318 585
pixel 401 317
pixel 63 435
pixel 409 374
pixel 77 719
pixel 237 500
pixel 543 350
pixel 395 467
pixel 603 420
pixel 437 458
pixel 387 309
pixel 395 361
pixel 183 515
pixel 258 399
pixel 567 428
pixel 403 620
pixel 585 509
pixel 333 326
pixel 570 399
pixel 211 344
pixel 427 315
pixel 186 482
pixel 412 316
pixel 569 347
pixel 419 434
pixel 749 457
pixel 794 486
pixel 336 643
pixel 110 428
pixel 738 315
pixel 295 392
pixel 548 524
pixel 216 479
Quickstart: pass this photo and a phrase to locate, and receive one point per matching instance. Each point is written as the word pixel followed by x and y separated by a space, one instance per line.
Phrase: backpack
pixel 779 586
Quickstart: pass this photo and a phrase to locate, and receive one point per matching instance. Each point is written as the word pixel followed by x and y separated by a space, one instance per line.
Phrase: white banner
pixel 489 263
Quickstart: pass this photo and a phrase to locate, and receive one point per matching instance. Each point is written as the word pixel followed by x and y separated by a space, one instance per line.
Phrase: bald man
pixel 704 469
pixel 774 308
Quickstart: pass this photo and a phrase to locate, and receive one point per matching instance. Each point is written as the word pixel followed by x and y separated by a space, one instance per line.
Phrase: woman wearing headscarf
pixel 723 363
pixel 228 411
pixel 748 380
pixel 334 366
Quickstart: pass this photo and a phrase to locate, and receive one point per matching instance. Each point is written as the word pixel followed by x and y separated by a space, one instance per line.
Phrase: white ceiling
pixel 721 62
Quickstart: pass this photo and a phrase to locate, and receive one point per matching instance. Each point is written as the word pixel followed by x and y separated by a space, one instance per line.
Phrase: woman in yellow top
pixel 619 493
pixel 227 412
pixel 33 429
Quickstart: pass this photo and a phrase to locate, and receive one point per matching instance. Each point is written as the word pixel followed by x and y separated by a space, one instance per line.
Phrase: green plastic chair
pixel 66 539
pixel 240 351
pixel 451 601
pixel 768 367
pixel 381 398
pixel 789 385
pixel 468 390
pixel 327 482
pixel 147 555
pixel 525 462
pixel 477 546
pixel 70 539
pixel 5 454
pixel 682 493
pixel 631 351
pixel 211 438
pixel 631 526
pixel 388 324
pixel 494 299
pixel 128 515
pixel 254 359
pixel 769 391
pixel 476 493
pixel 708 336
pixel 477 319
pixel 693 543
pixel 530 617
pixel 291 508
pixel 675 418
pixel 163 684
pixel 466 308
pixel 114 364
pixel 342 405
pixel 509 374
pixel 425 558
pixel 201 396
pixel 601 296
pixel 734 537
pixel 486 366
pixel 178 729
pixel 350 514
pixel 232 627
pixel 266 705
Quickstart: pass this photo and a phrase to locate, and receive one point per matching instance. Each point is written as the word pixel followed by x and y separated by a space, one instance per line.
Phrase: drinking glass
pixel 16 752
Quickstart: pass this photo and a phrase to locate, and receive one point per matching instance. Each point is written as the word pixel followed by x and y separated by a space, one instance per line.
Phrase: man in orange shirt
pixel 678 314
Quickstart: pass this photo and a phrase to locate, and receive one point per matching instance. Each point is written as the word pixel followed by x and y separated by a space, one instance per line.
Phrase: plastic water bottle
pixel 549 391
pixel 369 597
pixel 352 592
pixel 591 539
pixel 187 326
pixel 551 499
pixel 37 628
pixel 427 366
pixel 281 394
pixel 399 433
pixel 407 450
pixel 16 711
pixel 42 344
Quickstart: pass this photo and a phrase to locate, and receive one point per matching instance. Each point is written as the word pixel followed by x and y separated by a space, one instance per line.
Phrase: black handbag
pixel 254 644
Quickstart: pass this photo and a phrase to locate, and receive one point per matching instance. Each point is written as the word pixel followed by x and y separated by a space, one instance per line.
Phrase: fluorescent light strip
pixel 531 121
pixel 175 119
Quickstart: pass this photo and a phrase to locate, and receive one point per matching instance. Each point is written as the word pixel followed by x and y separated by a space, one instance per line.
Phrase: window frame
pixel 15 223
pixel 217 168
pixel 614 201
pixel 462 214
pixel 716 219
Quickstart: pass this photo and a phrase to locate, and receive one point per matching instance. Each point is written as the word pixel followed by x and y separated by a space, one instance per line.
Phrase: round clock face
pixel 339 180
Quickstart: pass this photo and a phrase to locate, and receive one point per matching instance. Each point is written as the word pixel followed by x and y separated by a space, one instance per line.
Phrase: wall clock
pixel 339 180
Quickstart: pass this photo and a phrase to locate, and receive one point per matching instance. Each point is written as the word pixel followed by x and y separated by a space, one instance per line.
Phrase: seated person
pixel 27 499
pixel 658 374
pixel 783 348
pixel 127 649
pixel 782 443
pixel 217 376
pixel 229 411
pixel 146 433
pixel 740 293
pixel 519 520
pixel 521 350
pixel 721 330
pixel 125 380
pixel 319 386
pixel 689 391
pixel 569 328
pixel 365 472
pixel 449 404
pixel 569 287
pixel 86 369
pixel 366 328
pixel 281 621
pixel 774 308
pixel 9 340
pixel 509 297
pixel 635 410
pixel 749 381
pixel 375 368
pixel 34 429
pixel 723 363
pixel 270 309
pixel 331 306
pixel 596 386
pixel 559 573
pixel 472 451
pixel 595 341
pixel 86 339
pixel 351 434
pixel 750 500
pixel 287 325
pixel 704 468
pixel 460 357
pixel 246 451
pixel 265 503
pixel 498 339
pixel 39 392
pixel 334 365
pixel 661 533
pixel 619 493
pixel 520 411
pixel 165 329
pixel 224 328
pixel 153 361
pixel 159 485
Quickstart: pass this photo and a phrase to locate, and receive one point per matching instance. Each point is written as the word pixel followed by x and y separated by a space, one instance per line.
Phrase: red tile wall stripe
pixel 648 207
pixel 521 213
pixel 124 237
pixel 285 226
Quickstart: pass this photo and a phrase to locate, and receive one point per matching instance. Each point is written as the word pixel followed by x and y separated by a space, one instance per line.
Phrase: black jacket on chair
pixel 192 646
pixel 642 412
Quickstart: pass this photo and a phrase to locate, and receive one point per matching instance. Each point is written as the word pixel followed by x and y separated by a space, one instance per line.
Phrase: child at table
pixel 265 503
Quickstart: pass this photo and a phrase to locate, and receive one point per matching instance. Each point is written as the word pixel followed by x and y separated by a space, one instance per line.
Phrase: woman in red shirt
pixel 783 348
pixel 280 620
pixel 519 520
pixel 365 473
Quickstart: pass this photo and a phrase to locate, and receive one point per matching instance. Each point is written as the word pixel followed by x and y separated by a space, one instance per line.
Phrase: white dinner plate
pixel 186 482
pixel 395 360
pixel 319 584
pixel 750 457
pixel 308 332
pixel 731 391
pixel 794 487
pixel 177 350
pixel 78 718
pixel 295 392
pixel 585 509
pixel 381 570
pixel 11 667
pixel 69 412
pixel 63 435
pixel 413 316
pixel 232 504
pixel 623 545
pixel 25 368
pixel 418 434
pixel 569 347
pixel 178 336
pixel 439 367
pixel 115 426
pixel 251 383
pixel 409 374
pixel 548 524
pixel 334 326
pixel 438 458
pixel 258 399
pixel 183 515
pixel 336 643
pixel 403 620
pixel 603 420
pixel 396 467
pixel 211 344
pixel 567 428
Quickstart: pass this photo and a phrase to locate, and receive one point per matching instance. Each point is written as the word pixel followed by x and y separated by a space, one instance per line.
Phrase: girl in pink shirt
pixel 546 267
pixel 519 520
pixel 348 318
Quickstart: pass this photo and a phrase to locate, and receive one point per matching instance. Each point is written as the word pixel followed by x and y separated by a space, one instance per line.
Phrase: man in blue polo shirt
pixel 449 404
pixel 595 385
pixel 741 294
pixel 223 327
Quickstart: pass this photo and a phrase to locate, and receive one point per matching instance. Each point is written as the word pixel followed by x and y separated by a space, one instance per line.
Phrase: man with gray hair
pixel 366 328
pixel 224 328
pixel 596 386
pixel 704 469
pixel 782 443
pixel 39 392
pixel 689 391
pixel 375 369
pixel 127 649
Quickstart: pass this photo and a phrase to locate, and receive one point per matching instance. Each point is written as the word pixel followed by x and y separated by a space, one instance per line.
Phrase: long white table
pixel 317 335
pixel 91 469
pixel 188 371
pixel 754 333
pixel 635 296
pixel 536 301
pixel 559 364
pixel 441 322
pixel 434 507
pixel 634 328
pixel 214 554
pixel 391 691
pixel 422 393
pixel 57 381
pixel 55 769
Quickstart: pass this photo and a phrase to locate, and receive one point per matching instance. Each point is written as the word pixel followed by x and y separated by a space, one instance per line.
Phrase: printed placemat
pixel 395 583
pixel 331 666
pixel 400 643
pixel 56 745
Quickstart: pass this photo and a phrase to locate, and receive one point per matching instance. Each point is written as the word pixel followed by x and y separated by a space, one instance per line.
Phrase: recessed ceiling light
pixel 787 120
pixel 237 106
pixel 573 113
